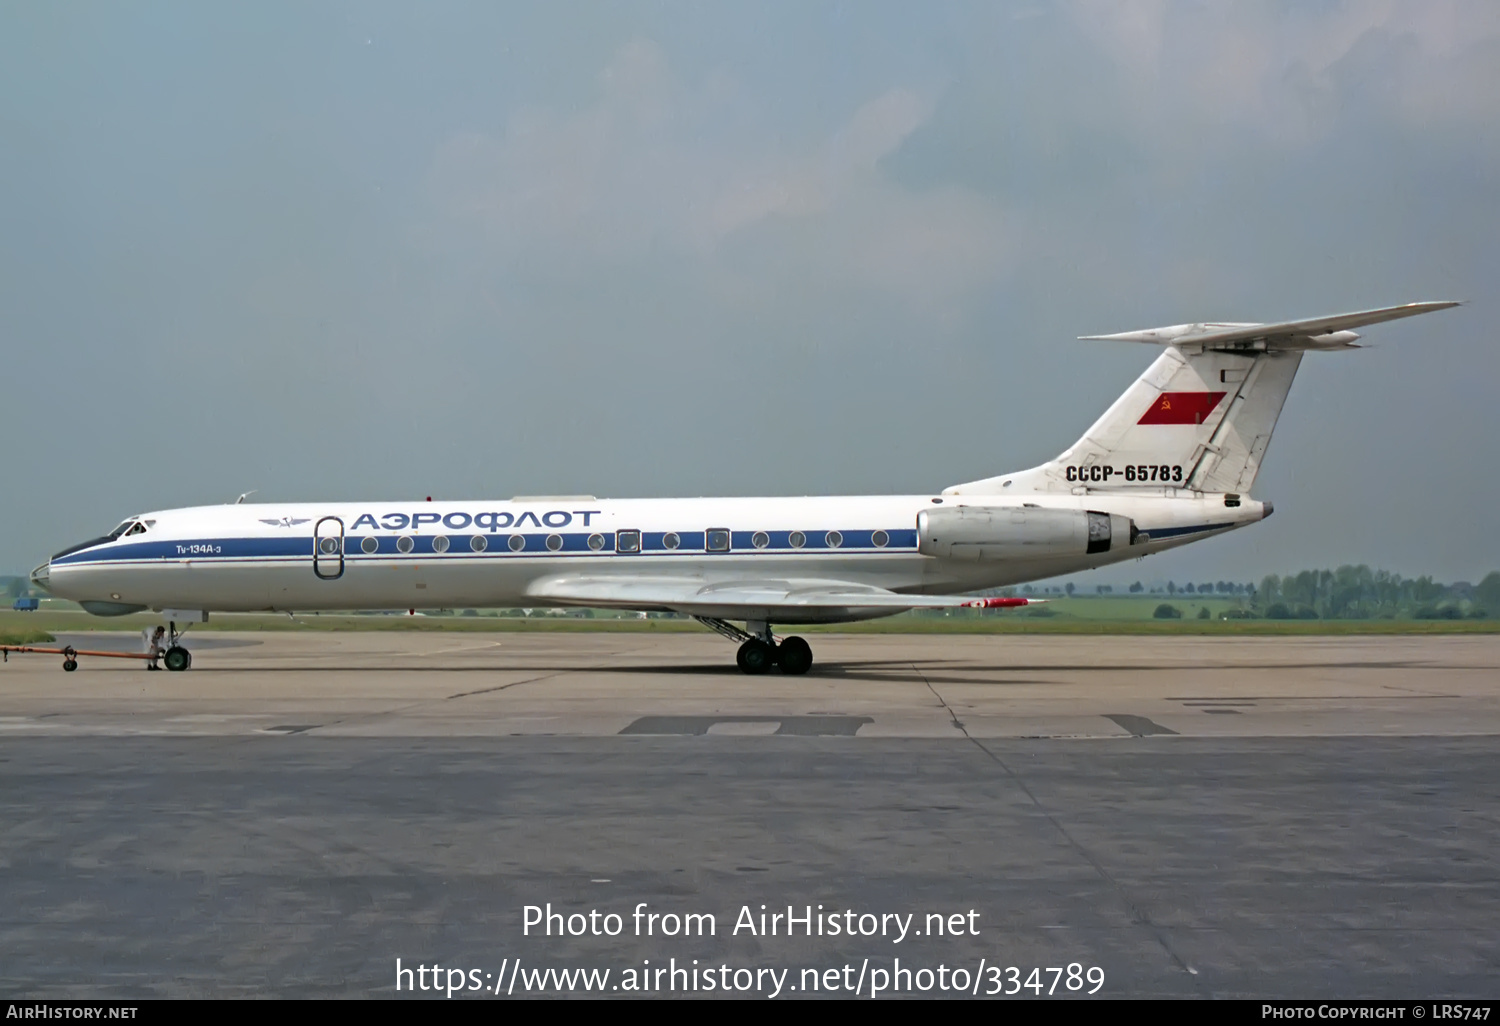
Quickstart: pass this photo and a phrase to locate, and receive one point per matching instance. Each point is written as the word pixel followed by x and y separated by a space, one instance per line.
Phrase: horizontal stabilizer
pixel 1332 332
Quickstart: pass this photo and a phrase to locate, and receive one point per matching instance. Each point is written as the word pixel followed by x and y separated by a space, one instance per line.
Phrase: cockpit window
pixel 134 525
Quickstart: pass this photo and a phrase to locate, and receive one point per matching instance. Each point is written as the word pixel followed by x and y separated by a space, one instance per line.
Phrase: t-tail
pixel 1200 418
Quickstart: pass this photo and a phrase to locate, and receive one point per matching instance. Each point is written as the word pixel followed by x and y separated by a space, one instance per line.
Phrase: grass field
pixel 20 636
pixel 1091 615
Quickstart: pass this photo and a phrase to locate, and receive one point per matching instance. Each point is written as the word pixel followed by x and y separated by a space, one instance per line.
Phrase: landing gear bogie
pixel 759 651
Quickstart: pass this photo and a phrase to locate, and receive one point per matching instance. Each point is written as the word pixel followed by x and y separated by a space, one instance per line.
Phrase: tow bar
pixel 176 657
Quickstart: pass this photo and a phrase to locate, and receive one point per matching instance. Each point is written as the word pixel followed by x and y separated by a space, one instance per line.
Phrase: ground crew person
pixel 155 649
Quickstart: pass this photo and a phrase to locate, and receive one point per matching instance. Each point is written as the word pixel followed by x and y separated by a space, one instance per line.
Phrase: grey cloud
pixel 631 177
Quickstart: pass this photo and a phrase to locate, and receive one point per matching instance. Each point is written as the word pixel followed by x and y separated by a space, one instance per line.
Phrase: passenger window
pixel 554 542
pixel 760 539
pixel 629 541
pixel 440 544
pixel 834 539
pixel 517 542
pixel 717 539
pixel 880 539
pixel 478 543
pixel 369 545
pixel 404 543
pixel 796 539
pixel 596 542
pixel 670 540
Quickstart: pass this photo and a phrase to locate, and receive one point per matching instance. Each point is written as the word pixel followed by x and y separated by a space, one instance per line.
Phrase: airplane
pixel 1172 461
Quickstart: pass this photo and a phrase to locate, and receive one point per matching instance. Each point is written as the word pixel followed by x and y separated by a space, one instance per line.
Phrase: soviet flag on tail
pixel 1182 408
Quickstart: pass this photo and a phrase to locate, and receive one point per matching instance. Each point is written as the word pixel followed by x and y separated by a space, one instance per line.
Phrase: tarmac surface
pixel 1243 817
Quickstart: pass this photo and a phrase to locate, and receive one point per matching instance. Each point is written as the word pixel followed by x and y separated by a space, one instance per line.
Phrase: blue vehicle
pixel 26 605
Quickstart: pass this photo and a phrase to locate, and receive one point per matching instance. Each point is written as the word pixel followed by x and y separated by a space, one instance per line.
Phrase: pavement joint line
pixel 546 676
pixel 414 705
pixel 501 687
pixel 1136 913
pixel 1414 692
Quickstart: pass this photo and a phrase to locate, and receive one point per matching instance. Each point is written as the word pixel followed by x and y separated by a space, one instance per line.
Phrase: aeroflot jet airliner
pixel 1172 461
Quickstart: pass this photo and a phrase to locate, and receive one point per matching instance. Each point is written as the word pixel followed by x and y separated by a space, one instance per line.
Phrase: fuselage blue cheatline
pixel 1173 460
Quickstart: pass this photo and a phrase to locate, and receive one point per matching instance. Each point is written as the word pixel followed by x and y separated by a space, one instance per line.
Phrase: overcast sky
pixel 374 250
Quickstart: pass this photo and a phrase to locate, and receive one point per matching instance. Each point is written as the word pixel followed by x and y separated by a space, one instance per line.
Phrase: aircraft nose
pixel 42 574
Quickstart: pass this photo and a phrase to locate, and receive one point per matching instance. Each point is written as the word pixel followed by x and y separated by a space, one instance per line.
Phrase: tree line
pixel 1345 593
pixel 1360 593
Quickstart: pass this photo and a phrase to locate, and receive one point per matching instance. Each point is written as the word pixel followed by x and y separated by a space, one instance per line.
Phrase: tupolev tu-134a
pixel 1172 461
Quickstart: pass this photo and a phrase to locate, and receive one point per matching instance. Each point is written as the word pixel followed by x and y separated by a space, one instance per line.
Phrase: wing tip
pixel 1431 305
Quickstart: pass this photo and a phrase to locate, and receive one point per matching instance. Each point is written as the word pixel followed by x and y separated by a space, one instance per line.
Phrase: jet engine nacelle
pixel 1020 532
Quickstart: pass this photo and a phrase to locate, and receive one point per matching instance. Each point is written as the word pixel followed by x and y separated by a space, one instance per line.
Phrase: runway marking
pixel 1302 698
pixel 785 726
pixel 748 728
pixel 1138 726
pixel 461 648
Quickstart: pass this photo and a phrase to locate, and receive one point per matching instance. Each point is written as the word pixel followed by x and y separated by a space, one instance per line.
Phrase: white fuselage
pixel 399 555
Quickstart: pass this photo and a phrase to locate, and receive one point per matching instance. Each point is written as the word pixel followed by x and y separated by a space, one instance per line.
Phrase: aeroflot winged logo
pixel 1181 408
pixel 285 521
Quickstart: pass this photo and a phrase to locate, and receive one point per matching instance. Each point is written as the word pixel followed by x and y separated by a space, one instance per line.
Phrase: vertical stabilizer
pixel 1200 418
pixel 1199 421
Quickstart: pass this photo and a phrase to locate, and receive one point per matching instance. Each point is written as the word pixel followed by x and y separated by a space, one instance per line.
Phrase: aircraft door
pixel 328 548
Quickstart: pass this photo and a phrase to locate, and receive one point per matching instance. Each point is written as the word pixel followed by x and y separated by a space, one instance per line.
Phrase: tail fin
pixel 1201 416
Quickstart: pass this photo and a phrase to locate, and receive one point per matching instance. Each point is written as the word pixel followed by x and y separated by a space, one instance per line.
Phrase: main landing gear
pixel 759 651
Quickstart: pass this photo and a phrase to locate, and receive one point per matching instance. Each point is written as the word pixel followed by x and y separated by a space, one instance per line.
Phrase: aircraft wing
pixel 754 598
pixel 1331 332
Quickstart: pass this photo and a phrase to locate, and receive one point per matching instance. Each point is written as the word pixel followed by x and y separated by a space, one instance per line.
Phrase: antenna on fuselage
pixel 245 495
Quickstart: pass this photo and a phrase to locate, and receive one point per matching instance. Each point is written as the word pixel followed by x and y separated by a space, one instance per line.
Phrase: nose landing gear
pixel 174 656
pixel 759 651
